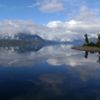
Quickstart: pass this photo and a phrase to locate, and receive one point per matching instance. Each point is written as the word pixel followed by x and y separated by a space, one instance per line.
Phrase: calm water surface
pixel 49 73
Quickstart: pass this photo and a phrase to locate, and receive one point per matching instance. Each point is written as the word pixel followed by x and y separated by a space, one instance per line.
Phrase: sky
pixel 35 10
pixel 52 19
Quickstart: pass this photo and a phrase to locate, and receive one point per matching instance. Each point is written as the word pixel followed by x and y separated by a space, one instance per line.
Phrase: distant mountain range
pixel 24 42
pixel 28 37
pixel 25 36
pixel 21 36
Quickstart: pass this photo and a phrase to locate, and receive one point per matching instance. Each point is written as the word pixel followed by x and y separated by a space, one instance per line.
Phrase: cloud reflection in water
pixel 68 72
pixel 53 55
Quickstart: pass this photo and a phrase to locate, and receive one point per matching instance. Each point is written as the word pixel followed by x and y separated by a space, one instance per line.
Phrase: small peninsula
pixel 88 45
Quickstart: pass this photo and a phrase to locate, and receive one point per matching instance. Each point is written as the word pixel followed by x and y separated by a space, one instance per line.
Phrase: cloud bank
pixel 48 6
pixel 85 22
pixel 51 6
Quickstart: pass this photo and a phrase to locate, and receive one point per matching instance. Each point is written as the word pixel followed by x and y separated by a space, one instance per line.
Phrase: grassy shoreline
pixel 87 48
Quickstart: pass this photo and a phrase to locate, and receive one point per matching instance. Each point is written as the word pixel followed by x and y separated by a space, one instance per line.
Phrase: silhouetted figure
pixel 86 39
pixel 86 54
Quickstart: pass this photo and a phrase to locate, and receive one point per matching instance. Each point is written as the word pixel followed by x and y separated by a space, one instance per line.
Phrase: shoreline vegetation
pixel 87 48
pixel 88 45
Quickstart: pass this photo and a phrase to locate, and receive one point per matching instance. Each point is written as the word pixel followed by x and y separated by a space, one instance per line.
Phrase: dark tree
pixel 86 39
pixel 98 41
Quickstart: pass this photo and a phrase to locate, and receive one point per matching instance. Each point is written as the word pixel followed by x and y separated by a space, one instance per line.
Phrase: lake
pixel 54 72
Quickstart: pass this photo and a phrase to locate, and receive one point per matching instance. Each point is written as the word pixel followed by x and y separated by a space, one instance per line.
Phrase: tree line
pixel 91 43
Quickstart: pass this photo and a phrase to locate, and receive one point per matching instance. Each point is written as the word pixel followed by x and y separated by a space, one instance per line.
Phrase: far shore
pixel 87 48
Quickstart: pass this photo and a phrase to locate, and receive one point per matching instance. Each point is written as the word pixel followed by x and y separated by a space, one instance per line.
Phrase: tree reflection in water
pixel 87 54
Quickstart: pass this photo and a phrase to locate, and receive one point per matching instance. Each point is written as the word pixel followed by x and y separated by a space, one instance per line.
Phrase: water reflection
pixel 24 48
pixel 87 54
pixel 48 73
pixel 54 55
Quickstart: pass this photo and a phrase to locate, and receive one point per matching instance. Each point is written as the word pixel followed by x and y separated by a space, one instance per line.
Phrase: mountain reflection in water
pixel 48 73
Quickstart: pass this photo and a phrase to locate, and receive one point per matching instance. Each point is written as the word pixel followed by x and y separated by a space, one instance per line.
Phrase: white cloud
pixel 86 14
pixel 85 22
pixel 12 27
pixel 55 24
pixel 50 6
